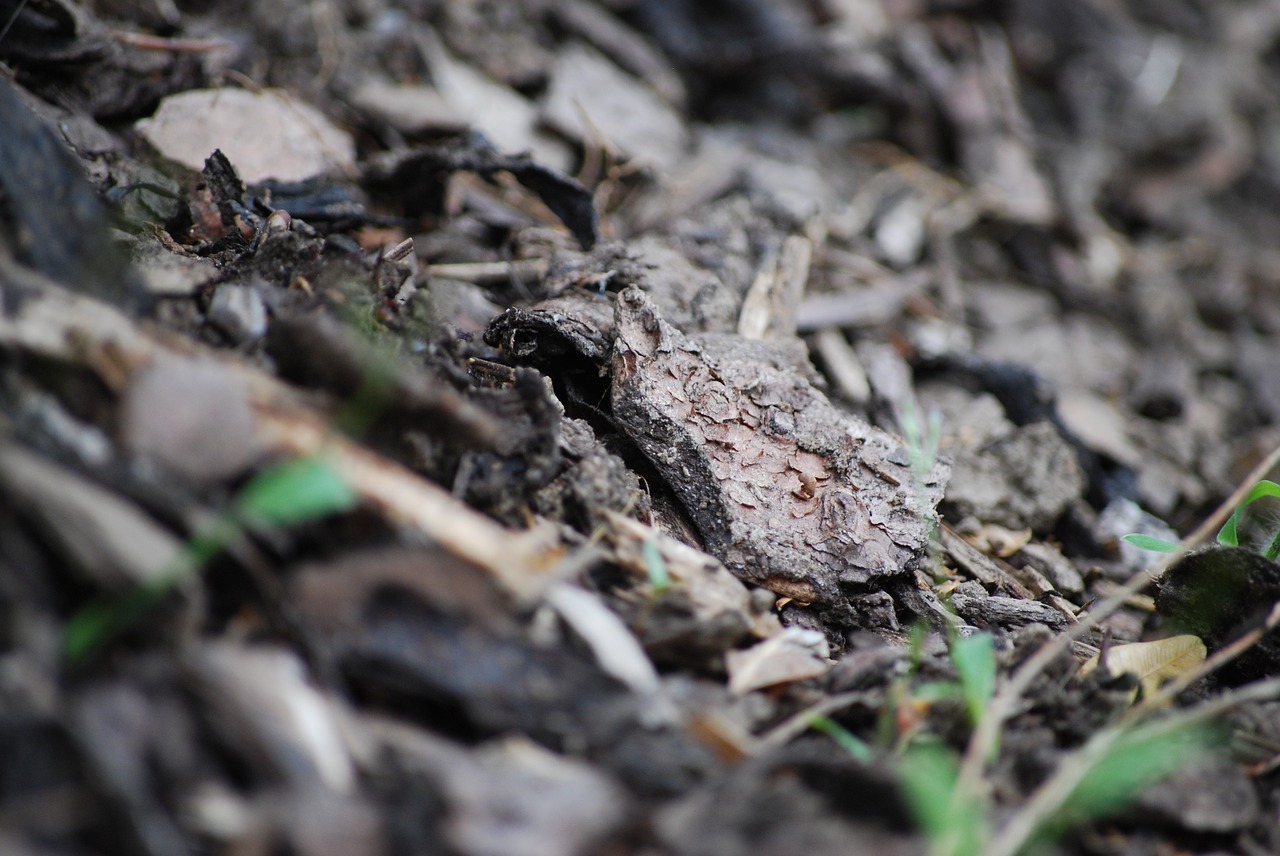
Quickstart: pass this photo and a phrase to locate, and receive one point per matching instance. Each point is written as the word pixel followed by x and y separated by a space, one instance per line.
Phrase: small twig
pixel 148 42
pixel 1004 703
pixel 9 23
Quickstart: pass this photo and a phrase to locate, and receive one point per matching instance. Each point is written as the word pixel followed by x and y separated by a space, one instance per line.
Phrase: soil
pixel 623 427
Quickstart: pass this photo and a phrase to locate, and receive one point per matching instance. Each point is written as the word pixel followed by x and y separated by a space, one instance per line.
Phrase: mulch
pixel 637 427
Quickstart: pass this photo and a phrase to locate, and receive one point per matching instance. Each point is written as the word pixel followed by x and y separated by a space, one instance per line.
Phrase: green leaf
pixel 975 660
pixel 1147 542
pixel 659 576
pixel 845 739
pixel 916 638
pixel 1227 534
pixel 90 629
pixel 1137 761
pixel 291 492
pixel 294 492
pixel 954 823
pixel 931 691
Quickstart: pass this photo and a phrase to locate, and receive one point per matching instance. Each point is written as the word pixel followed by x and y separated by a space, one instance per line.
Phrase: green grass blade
pixel 294 492
pixel 954 823
pixel 845 739
pixel 656 566
pixel 1147 542
pixel 1137 761
pixel 975 661
pixel 97 624
pixel 931 691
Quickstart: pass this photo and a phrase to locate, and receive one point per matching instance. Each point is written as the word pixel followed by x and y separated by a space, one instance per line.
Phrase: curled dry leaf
pixel 1152 662
pixel 795 654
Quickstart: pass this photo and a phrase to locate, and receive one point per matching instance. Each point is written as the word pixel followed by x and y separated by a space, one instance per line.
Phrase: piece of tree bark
pixel 785 489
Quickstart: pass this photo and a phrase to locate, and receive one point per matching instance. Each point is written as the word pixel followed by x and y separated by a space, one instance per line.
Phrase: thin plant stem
pixel 987 732
pixel 1052 795
pixel 9 23
pixel 798 723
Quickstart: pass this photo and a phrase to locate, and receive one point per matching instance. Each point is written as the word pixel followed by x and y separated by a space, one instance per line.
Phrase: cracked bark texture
pixel 788 491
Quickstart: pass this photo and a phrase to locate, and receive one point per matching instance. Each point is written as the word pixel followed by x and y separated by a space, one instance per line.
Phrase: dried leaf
pixel 795 654
pixel 1152 662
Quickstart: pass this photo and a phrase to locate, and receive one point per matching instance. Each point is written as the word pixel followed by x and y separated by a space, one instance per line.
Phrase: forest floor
pixel 639 427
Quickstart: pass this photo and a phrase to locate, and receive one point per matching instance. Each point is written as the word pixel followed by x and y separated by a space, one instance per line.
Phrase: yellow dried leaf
pixel 1152 662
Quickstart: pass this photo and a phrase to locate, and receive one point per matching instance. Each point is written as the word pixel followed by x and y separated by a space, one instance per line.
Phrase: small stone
pixel 1024 480
pixel 239 312
pixel 191 416
pixel 267 134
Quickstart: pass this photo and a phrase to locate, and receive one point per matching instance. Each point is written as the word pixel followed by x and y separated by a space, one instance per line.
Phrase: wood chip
pixel 786 490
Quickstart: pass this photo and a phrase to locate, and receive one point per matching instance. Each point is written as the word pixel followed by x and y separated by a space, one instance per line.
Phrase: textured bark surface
pixel 785 489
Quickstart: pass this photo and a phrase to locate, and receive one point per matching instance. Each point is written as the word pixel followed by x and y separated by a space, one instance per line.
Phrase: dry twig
pixel 985 736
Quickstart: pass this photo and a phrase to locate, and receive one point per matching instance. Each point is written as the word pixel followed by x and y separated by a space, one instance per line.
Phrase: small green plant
pixel 656 567
pixel 1229 534
pixel 975 661
pixel 923 436
pixel 846 740
pixel 1118 762
pixel 288 493
pixel 954 822
pixel 1103 776
pixel 1139 758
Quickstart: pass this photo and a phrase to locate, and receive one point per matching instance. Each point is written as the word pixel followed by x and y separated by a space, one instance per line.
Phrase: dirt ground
pixel 638 427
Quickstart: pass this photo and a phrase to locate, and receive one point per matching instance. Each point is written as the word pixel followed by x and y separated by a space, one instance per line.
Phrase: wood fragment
pixel 733 427
pixel 862 307
pixel 490 273
pixel 525 562
pixel 769 309
pixel 843 365
pixel 981 566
